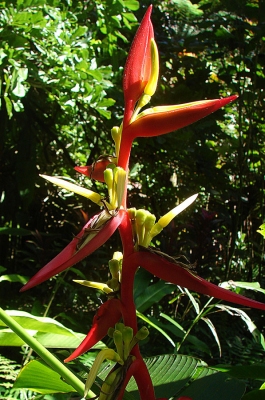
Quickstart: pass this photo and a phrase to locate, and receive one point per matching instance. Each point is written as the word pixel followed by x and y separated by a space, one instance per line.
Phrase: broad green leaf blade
pixel 41 324
pixel 169 374
pixel 50 333
pixel 210 385
pixel 40 378
pixel 9 338
pixel 48 340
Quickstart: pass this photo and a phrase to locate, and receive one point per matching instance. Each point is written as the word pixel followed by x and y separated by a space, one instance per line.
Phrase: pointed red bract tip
pixel 108 314
pixel 137 69
pixel 85 170
pixel 96 170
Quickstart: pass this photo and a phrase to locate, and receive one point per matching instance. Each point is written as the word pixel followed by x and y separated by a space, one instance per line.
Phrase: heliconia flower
pixel 137 69
pixel 108 314
pixel 160 120
pixel 93 235
pixel 172 272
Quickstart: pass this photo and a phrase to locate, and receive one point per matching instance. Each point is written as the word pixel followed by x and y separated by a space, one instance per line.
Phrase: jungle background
pixel 61 93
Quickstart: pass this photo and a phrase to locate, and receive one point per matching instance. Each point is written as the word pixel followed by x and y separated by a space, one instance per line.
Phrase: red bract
pixel 137 69
pixel 161 120
pixel 108 314
pixel 172 272
pixel 96 170
pixel 75 251
pixel 141 375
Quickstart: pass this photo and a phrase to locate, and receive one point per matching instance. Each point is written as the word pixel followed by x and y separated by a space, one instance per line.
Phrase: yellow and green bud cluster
pixel 144 226
pixel 125 340
pixel 115 178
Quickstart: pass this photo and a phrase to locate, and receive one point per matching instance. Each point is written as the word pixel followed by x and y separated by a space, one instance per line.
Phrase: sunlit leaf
pixel 38 377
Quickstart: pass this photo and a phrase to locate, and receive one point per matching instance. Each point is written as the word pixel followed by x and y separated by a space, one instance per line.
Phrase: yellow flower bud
pixel 116 136
pixel 127 335
pixel 114 267
pixel 96 285
pixel 167 218
pixel 95 197
pixel 118 341
pixel 150 88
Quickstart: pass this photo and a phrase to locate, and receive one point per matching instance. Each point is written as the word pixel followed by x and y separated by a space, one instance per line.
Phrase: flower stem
pixel 48 357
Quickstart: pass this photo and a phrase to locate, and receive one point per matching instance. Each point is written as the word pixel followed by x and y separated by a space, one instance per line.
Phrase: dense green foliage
pixel 60 80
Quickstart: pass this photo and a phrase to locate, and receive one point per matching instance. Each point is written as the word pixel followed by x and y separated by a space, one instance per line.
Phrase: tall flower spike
pixel 137 69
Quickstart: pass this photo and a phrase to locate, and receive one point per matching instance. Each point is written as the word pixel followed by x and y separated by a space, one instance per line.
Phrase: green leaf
pixel 47 331
pixel 20 90
pixel 152 294
pixel 96 74
pixel 38 377
pixel 22 74
pixel 104 113
pixel 261 230
pixel 130 17
pixel 131 4
pixel 43 324
pixel 14 278
pixel 213 330
pixel 80 31
pixel 243 285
